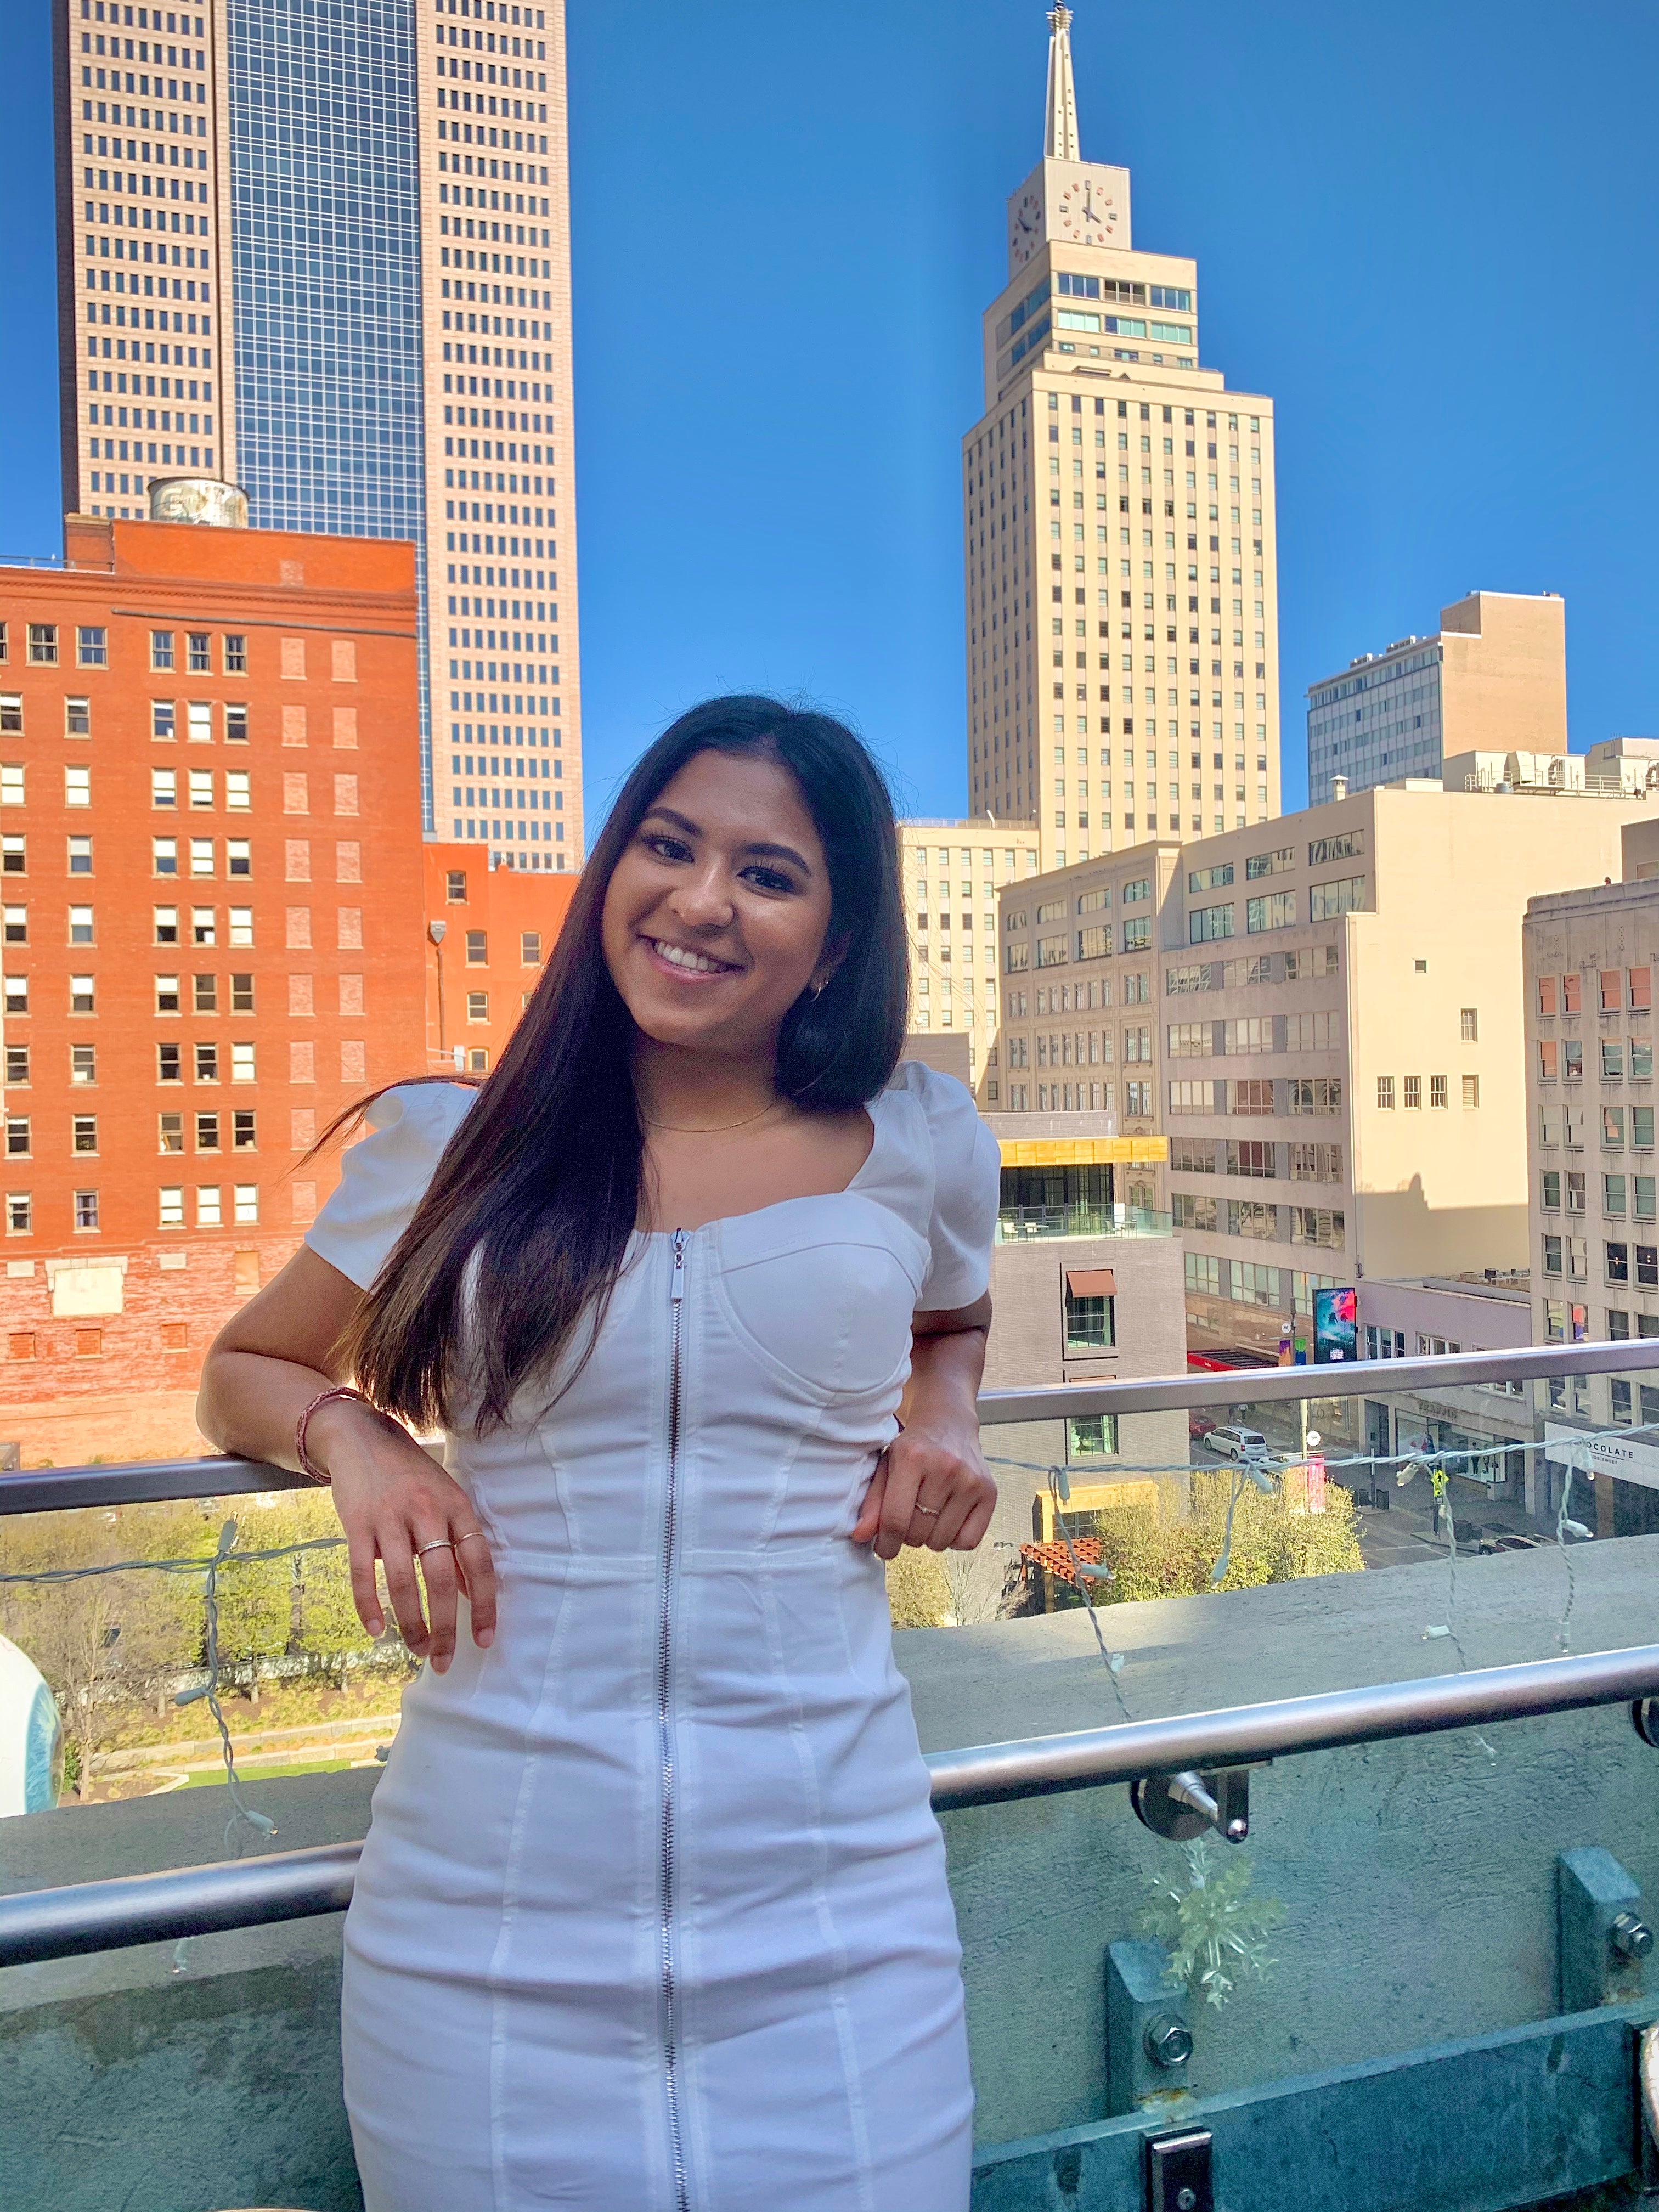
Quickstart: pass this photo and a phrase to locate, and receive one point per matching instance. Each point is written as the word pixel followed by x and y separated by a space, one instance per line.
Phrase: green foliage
pixel 1215 1932
pixel 918 1590
pixel 1272 1542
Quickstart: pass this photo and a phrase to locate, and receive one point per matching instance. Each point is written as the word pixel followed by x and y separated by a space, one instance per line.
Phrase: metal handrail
pixel 61 1489
pixel 60 1923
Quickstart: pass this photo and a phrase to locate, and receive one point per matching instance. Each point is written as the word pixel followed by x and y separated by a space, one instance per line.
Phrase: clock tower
pixel 1119 533
pixel 1085 202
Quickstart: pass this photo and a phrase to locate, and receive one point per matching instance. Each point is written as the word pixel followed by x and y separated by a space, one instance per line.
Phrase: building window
pixel 83 1063
pixel 11 714
pixel 235 656
pixel 236 725
pixel 1437 1090
pixel 12 791
pixel 1471 1090
pixel 80 856
pixel 477 1060
pixel 164 786
pixel 1385 1092
pixel 162 723
pixel 246 1205
pixel 208 1213
pixel 81 993
pixel 242 1130
pixel 239 857
pixel 1617 1257
pixel 16 924
pixel 92 647
pixel 20 1213
pixel 172 1215
pixel 242 994
pixel 1090 1322
pixel 1091 1436
pixel 166 994
pixel 207 1133
pixel 1469 1024
pixel 530 948
pixel 478 1006
pixel 14 856
pixel 160 648
pixel 77 718
pixel 83 1132
pixel 1413 1093
pixel 241 1063
pixel 18 1145
pixel 17 1066
pixel 198 657
pixel 169 1133
pixel 207 1063
pixel 241 926
pixel 477 949
pixel 80 924
pixel 86 1209
pixel 201 856
pixel 164 856
pixel 455 886
pixel 43 645
pixel 169 1067
pixel 205 996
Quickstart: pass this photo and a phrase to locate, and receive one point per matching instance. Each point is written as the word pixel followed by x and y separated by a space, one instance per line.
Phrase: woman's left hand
pixel 930 1487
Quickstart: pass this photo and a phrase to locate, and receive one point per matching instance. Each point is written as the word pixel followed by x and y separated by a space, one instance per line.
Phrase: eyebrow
pixel 759 849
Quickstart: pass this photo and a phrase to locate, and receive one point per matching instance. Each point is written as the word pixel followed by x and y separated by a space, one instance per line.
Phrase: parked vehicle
pixel 1200 1425
pixel 1242 1444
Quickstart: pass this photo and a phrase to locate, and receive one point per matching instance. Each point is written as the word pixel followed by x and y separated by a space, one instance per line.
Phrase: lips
pixel 684 962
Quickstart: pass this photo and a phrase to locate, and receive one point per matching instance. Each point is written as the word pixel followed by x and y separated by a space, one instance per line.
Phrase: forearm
pixel 250 1403
pixel 946 1371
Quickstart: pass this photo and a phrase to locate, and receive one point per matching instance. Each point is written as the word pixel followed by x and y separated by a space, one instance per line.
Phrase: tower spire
pixel 1061 140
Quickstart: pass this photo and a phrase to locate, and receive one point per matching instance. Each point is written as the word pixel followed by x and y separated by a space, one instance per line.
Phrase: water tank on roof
pixel 206 500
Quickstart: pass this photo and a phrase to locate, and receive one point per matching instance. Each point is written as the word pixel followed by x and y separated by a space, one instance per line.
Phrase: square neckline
pixel 802 1198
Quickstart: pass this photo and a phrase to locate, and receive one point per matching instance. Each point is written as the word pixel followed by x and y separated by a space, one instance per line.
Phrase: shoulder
pixel 385 1173
pixel 965 1161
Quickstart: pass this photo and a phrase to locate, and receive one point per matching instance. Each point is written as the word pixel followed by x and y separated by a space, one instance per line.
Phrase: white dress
pixel 653 1913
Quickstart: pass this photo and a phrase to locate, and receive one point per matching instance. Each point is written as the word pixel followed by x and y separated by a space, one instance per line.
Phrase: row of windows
pixel 164 857
pixel 1305 1163
pixel 1564 1125
pixel 1614 1190
pixel 1276 910
pixel 1617 990
pixel 1412 1091
pixel 1080 997
pixel 1264 1095
pixel 477 948
pixel 85 1213
pixel 212 1131
pixel 1249 1282
pixel 1563 1059
pixel 1243 1217
pixel 1569 1256
pixel 1245 974
pixel 1255 1033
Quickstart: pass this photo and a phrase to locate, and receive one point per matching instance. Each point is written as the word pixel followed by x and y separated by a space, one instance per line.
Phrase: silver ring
pixel 469 1536
pixel 929 1513
pixel 438 1544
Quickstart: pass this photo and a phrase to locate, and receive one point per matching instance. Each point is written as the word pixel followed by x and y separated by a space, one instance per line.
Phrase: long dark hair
pixel 541 1181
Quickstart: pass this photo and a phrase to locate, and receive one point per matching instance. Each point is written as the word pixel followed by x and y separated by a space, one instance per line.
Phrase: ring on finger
pixel 438 1544
pixel 929 1513
pixel 467 1536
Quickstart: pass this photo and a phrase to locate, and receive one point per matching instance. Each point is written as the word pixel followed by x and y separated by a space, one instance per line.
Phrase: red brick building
pixel 214 935
pixel 490 931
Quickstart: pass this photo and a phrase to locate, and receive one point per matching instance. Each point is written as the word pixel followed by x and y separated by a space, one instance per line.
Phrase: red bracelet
pixel 307 1465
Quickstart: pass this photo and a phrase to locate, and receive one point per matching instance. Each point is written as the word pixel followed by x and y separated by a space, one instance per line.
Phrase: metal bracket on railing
pixel 1178 2172
pixel 1644 1719
pixel 1182 1806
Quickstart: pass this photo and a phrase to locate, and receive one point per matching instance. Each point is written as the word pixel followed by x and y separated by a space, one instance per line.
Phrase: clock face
pixel 1088 213
pixel 1025 227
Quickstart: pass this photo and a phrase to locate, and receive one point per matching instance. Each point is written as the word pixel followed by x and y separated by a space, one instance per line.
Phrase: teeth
pixel 698 963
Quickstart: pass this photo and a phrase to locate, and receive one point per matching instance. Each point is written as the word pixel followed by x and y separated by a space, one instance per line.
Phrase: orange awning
pixel 1092 1282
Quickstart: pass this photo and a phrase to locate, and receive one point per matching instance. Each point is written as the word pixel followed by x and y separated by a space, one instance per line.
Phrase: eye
pixel 767 878
pixel 665 846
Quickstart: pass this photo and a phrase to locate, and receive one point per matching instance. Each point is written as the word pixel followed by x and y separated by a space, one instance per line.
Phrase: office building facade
pixel 952 873
pixel 1326 1024
pixel 1491 681
pixel 327 258
pixel 1121 611
pixel 212 914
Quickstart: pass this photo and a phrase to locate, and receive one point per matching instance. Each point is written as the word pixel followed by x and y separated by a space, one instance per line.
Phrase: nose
pixel 702 899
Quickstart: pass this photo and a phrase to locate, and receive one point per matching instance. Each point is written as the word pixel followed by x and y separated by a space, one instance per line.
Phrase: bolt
pixel 1169 2040
pixel 1186 2200
pixel 1631 1937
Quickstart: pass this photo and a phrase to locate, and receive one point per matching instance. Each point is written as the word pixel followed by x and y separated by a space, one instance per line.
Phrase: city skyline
pixel 1421 456
pixel 275 209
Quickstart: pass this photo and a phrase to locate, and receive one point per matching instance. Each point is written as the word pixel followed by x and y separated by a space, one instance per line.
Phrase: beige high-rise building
pixel 1118 504
pixel 1325 1016
pixel 1490 682
pixel 309 254
pixel 952 874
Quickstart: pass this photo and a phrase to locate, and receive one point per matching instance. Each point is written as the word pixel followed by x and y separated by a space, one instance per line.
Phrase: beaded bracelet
pixel 307 1465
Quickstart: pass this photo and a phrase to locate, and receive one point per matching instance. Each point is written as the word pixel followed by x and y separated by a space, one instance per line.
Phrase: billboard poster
pixel 1336 1316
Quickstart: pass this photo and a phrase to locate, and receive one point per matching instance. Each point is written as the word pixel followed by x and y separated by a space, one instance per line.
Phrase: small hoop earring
pixel 818 992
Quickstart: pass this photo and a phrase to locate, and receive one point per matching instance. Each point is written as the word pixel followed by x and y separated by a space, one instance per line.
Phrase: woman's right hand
pixel 392 1499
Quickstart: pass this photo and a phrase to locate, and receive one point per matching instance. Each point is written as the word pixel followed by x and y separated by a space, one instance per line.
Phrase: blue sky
pixel 1428 232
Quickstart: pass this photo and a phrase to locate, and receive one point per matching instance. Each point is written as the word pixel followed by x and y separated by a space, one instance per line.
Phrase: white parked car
pixel 1246 1445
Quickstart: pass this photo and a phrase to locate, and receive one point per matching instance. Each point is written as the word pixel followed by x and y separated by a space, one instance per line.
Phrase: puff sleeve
pixel 967 1187
pixel 384 1176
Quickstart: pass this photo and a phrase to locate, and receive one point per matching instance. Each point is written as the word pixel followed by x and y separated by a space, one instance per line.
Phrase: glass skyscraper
pixel 325 168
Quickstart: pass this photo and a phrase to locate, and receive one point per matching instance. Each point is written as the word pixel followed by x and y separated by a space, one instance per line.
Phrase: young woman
pixel 653 1915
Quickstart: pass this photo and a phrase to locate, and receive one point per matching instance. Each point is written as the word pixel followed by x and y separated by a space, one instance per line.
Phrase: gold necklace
pixel 678 1129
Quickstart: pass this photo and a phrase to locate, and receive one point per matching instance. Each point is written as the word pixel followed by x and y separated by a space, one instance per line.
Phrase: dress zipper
pixel 665 1740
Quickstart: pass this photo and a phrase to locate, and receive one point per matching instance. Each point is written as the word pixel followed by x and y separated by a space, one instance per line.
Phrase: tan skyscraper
pixel 327 260
pixel 1121 573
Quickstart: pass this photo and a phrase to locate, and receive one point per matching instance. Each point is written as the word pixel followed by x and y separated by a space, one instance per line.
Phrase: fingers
pixel 476 1568
pixel 402 1586
pixel 365 1591
pixel 927 1495
pixel 436 1558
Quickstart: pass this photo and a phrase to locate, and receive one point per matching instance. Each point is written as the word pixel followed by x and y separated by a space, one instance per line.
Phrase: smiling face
pixel 716 915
